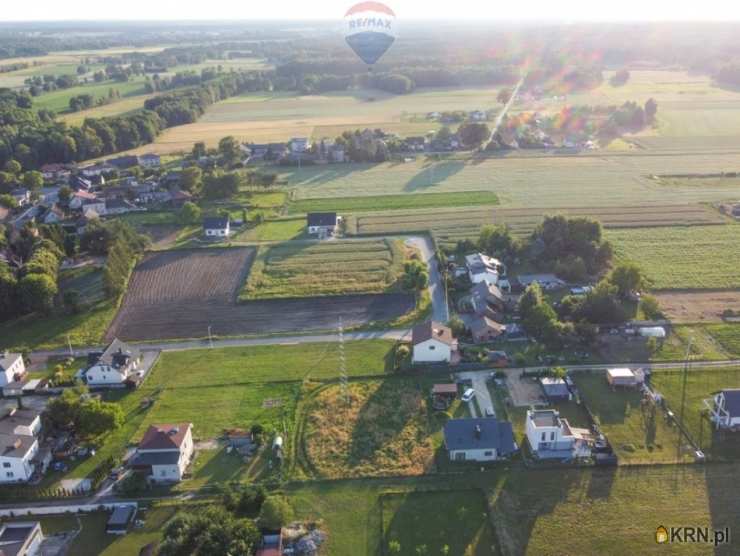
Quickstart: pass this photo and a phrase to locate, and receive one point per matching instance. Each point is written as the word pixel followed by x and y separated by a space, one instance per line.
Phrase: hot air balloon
pixel 369 30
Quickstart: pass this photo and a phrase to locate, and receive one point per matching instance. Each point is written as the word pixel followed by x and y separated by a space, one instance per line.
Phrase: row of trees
pixel 87 417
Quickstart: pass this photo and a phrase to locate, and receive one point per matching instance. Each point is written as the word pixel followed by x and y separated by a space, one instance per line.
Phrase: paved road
pixel 482 394
pixel 440 312
pixel 505 109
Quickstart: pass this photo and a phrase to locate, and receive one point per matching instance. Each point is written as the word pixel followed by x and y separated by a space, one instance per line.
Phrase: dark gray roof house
pixel 215 222
pixel 478 439
pixel 732 401
pixel 321 219
pixel 120 518
pixel 117 355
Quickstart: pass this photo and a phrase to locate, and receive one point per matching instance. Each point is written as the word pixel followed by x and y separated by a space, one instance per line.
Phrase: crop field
pixel 394 202
pixel 451 225
pixel 122 106
pixel 702 306
pixel 701 257
pixel 701 385
pixel 728 336
pixel 183 293
pixel 262 117
pixel 638 433
pixel 386 429
pixel 328 268
pixel 414 519
pixel 527 179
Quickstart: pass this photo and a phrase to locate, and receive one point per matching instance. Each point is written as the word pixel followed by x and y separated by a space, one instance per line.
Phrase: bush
pixel 275 512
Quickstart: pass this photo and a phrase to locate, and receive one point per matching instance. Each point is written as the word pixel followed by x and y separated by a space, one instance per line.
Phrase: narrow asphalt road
pixel 440 312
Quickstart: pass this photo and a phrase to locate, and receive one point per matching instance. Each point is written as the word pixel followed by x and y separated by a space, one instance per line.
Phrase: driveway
pixel 482 394
pixel 436 286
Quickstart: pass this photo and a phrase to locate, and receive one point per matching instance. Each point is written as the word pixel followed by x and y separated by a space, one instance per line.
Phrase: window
pixel 543 437
pixel 432 347
pixel 552 436
pixel 488 453
pixel 6 464
pixel 163 473
pixel 9 474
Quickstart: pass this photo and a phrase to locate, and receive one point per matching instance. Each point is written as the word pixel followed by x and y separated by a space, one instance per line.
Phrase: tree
pixel 230 150
pixel 473 134
pixel 208 532
pixel 13 167
pixel 601 305
pixel 497 241
pixel 61 411
pixel 650 307
pixel 191 179
pixel 558 372
pixel 620 78
pixel 65 194
pixel 504 95
pixel 199 150
pixel 275 512
pixel 95 417
pixel 444 133
pixel 190 213
pixel 651 109
pixel 627 278
pixel 415 276
pixel 221 185
pixel 33 180
pixel 8 201
pixel 37 292
pixel 457 326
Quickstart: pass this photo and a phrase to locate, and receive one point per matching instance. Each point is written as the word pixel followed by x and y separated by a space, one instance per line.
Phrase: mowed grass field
pixel 526 180
pixel 701 384
pixel 58 101
pixel 683 257
pixel 266 117
pixel 394 202
pixel 308 269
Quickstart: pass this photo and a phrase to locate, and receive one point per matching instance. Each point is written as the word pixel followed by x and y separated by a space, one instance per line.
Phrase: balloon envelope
pixel 369 30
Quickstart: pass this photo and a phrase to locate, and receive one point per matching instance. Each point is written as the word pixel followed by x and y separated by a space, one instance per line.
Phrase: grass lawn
pixel 168 218
pixel 728 336
pixel 58 101
pixel 682 258
pixel 414 520
pixel 638 434
pixel 212 467
pixel 394 202
pixel 386 429
pixel 700 385
pixel 87 280
pixel 328 268
pixel 274 230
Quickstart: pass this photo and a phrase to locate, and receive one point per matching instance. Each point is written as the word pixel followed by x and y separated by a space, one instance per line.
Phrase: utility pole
pixel 210 339
pixel 343 378
pixel 687 363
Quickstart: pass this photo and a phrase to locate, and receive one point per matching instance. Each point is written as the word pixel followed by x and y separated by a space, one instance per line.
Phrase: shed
pixel 555 388
pixel 652 332
pixel 445 390
pixel 621 377
pixel 120 519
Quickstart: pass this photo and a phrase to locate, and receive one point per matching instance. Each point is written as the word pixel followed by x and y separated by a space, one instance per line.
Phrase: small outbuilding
pixel 216 226
pixel 622 377
pixel 120 519
pixel 322 224
pixel 555 389
pixel 443 395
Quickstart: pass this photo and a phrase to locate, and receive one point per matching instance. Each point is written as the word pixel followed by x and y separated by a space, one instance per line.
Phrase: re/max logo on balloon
pixel 369 22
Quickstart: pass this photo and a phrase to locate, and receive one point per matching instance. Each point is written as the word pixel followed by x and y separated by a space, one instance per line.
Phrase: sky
pixel 530 10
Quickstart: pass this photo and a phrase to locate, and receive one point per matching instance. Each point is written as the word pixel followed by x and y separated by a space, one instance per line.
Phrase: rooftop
pixel 14 536
pixel 321 218
pixel 732 401
pixel 156 458
pixel 430 329
pixel 7 359
pixel 544 417
pixel 215 222
pixel 15 446
pixel 164 437
pixel 621 373
pixel 479 434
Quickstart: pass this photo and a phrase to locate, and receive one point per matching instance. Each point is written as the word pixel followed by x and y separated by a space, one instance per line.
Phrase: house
pixel 478 116
pixel 416 144
pixel 120 519
pixel 478 439
pixel 336 154
pixel 114 367
pixel 52 215
pixel 165 452
pixel 624 378
pixel 118 206
pixel 551 437
pixel 124 162
pixel 299 144
pixel 97 170
pixel 178 198
pixel 216 226
pixel 17 453
pixel 555 389
pixel 724 409
pixel 55 171
pixel 12 367
pixel 432 342
pixel 49 195
pixel 487 299
pixel 21 538
pixel 21 422
pixel 78 183
pixel 484 329
pixel 81 197
pixel 322 224
pixel 271 544
pixel 150 160
pixel 21 195
pixel 482 268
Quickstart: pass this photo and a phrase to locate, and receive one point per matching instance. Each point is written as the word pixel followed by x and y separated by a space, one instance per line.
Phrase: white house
pixel 21 195
pixel 16 455
pixel 150 160
pixel 82 197
pixel 118 206
pixel 482 268
pixel 112 367
pixel 551 437
pixel 216 226
pixel 12 367
pixel 21 422
pixel 299 144
pixel 165 452
pixel 322 224
pixel 21 538
pixel 432 343
pixel 478 439
pixel 724 408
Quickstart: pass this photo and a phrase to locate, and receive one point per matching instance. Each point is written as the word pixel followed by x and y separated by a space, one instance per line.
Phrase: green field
pixel 394 202
pixel 683 258
pixel 88 281
pixel 638 434
pixel 58 101
pixel 414 519
pixel 282 229
pixel 728 336
pixel 309 269
pixel 700 385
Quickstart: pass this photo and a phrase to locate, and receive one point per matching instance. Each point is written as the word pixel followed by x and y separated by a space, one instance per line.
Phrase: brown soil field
pixel 702 306
pixel 178 294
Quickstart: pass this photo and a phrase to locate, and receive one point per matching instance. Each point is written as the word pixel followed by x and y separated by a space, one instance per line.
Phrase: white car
pixel 468 395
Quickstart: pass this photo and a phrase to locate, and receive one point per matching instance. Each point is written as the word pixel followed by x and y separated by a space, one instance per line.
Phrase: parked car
pixel 468 395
